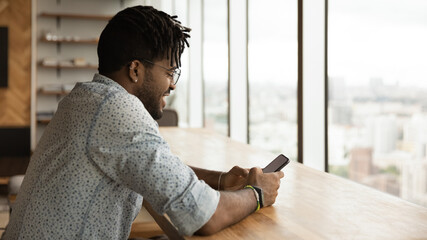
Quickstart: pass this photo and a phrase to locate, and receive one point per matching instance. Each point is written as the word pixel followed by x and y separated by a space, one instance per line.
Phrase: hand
pixel 234 179
pixel 268 182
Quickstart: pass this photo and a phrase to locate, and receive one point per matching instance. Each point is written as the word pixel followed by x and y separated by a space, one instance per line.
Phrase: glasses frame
pixel 176 72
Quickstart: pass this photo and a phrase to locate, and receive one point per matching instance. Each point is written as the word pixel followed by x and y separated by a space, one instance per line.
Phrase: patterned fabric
pixel 99 154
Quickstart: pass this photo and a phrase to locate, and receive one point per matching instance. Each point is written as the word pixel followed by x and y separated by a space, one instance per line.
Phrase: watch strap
pixel 256 196
pixel 261 196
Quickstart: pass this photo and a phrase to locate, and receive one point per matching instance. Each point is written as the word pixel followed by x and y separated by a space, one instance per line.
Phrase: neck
pixel 122 78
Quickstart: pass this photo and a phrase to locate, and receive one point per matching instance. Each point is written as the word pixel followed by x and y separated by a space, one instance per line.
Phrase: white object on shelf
pixel 49 61
pixel 46 115
pixel 79 61
pixel 51 88
pixel 66 63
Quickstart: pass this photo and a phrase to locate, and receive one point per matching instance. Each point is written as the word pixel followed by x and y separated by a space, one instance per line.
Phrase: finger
pixel 278 186
pixel 240 171
pixel 255 170
pixel 280 174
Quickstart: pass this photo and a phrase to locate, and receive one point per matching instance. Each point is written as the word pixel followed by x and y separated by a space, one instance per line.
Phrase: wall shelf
pixel 82 41
pixel 43 121
pixel 76 16
pixel 55 93
pixel 66 51
pixel 68 67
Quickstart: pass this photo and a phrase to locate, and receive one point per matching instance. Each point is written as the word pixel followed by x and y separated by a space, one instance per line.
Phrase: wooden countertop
pixel 311 204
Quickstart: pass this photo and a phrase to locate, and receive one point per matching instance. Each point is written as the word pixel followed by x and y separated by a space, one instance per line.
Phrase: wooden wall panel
pixel 15 100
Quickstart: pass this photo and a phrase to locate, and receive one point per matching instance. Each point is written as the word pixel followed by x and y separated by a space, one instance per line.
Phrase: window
pixel 377 105
pixel 215 65
pixel 178 99
pixel 272 60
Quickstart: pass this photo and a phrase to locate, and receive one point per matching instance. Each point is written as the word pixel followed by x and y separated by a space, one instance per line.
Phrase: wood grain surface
pixel 15 100
pixel 311 204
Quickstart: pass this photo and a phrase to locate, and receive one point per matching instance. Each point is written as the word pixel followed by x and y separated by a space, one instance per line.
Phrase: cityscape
pixel 377 133
pixel 377 105
pixel 378 136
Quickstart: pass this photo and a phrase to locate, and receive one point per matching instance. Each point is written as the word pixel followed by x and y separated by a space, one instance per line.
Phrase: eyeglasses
pixel 176 72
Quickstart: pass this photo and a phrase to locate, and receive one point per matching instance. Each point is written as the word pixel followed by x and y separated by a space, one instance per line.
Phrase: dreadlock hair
pixel 141 32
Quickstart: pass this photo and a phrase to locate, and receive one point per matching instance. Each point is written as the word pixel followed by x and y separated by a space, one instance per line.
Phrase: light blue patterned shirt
pixel 99 155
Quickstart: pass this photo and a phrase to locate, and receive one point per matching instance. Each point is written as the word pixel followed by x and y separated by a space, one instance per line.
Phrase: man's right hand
pixel 233 206
pixel 268 182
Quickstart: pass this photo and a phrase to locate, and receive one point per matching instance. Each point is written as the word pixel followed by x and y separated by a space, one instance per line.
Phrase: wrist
pixel 261 195
pixel 258 196
pixel 219 181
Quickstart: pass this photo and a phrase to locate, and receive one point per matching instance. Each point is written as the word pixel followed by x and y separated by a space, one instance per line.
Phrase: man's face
pixel 157 84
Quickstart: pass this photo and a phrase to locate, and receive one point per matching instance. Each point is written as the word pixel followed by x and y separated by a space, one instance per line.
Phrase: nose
pixel 172 86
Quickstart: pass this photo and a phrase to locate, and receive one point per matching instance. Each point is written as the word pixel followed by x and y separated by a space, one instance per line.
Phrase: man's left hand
pixel 234 179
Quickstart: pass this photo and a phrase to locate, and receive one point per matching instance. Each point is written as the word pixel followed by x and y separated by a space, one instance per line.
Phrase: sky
pixel 367 39
pixel 378 39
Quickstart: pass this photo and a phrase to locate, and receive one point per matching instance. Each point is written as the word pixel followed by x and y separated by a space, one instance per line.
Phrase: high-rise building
pixel 341 114
pixel 385 134
pixel 414 181
pixel 360 164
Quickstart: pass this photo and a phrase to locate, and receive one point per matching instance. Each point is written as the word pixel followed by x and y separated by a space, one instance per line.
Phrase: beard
pixel 149 97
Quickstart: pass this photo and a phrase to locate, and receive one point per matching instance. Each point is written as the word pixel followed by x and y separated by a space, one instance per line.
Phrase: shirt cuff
pixel 194 208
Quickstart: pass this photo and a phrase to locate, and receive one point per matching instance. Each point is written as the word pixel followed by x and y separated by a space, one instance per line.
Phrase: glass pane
pixel 273 75
pixel 215 65
pixel 377 102
pixel 178 99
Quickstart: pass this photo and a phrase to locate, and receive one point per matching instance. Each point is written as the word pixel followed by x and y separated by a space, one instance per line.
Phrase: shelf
pixel 69 67
pixel 56 93
pixel 43 121
pixel 44 117
pixel 83 41
pixel 76 16
pixel 4 180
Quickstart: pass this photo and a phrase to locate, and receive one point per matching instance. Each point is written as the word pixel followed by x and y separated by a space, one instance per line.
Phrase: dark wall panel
pixel 15 142
pixel 4 56
pixel 15 150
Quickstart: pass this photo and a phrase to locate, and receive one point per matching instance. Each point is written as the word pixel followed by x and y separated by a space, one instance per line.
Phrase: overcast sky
pixel 378 39
pixel 367 39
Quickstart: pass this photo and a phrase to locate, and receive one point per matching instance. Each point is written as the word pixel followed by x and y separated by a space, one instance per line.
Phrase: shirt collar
pixel 107 81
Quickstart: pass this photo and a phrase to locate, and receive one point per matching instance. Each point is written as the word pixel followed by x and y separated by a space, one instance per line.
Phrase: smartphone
pixel 277 164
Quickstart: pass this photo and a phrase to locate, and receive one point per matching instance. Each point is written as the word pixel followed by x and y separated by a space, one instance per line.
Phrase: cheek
pixel 160 92
pixel 164 87
pixel 155 88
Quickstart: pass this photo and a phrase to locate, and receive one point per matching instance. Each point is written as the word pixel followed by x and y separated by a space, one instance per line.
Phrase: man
pixel 102 151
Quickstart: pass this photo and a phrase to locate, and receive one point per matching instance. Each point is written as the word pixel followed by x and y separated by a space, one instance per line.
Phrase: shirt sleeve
pixel 125 144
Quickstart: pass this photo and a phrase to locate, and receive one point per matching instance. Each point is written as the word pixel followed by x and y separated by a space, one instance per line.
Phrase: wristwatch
pixel 261 196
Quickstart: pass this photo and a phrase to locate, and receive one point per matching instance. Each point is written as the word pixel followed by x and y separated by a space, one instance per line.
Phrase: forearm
pixel 209 176
pixel 232 208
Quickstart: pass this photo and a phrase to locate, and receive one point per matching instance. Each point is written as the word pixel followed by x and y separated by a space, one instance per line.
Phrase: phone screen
pixel 277 164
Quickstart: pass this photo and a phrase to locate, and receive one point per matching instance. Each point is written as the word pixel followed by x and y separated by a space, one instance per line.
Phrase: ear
pixel 135 71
